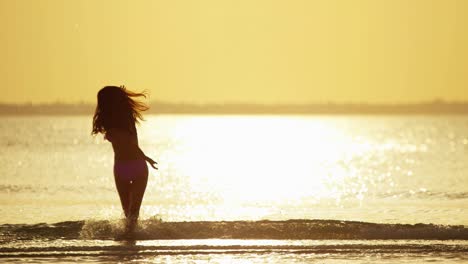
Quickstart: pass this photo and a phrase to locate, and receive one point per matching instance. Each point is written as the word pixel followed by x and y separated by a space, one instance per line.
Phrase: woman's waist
pixel 128 153
pixel 129 162
pixel 128 157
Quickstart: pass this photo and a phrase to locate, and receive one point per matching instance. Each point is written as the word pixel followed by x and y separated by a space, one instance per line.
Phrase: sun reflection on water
pixel 244 161
pixel 282 167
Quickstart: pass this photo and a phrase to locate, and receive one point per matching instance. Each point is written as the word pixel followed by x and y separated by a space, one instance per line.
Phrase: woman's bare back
pixel 125 144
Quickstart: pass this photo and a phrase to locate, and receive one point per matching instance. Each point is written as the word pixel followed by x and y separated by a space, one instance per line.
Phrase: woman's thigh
pixel 138 188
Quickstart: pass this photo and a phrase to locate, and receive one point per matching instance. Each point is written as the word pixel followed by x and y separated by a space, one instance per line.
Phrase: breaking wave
pixel 152 229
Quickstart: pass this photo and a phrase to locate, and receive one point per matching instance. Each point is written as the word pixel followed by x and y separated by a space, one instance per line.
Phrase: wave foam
pixel 290 229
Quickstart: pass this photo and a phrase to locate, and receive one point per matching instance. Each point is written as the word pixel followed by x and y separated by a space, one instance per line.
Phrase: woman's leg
pixel 123 188
pixel 137 190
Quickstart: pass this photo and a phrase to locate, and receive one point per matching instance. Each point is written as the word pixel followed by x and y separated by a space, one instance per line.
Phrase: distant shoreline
pixel 434 107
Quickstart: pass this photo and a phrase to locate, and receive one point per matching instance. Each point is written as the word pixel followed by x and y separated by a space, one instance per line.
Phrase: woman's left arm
pixel 148 159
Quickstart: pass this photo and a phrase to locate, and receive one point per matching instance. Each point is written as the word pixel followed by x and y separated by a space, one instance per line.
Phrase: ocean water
pixel 386 188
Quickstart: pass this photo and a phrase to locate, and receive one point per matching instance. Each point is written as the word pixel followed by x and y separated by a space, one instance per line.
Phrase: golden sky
pixel 263 51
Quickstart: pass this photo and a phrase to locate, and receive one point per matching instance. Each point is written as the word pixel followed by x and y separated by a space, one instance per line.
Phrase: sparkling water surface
pixel 381 169
pixel 388 169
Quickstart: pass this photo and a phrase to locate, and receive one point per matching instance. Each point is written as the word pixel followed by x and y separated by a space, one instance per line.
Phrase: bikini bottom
pixel 130 170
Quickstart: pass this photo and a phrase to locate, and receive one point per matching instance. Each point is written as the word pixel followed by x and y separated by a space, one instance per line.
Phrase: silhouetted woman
pixel 116 114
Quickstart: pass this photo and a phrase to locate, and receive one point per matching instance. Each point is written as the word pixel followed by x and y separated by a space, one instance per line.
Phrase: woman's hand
pixel 148 159
pixel 151 162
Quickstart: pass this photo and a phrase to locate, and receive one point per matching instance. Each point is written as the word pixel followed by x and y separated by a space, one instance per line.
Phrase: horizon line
pixel 159 107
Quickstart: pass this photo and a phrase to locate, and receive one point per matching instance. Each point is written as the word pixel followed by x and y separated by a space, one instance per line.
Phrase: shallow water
pixel 390 169
pixel 239 251
pixel 239 241
pixel 393 170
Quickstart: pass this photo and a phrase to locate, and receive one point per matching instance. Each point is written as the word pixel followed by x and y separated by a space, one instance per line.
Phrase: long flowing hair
pixel 117 108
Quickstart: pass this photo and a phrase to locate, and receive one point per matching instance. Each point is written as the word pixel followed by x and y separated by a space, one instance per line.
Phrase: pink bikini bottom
pixel 130 170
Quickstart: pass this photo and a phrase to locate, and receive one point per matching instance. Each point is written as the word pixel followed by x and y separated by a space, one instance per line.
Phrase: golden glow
pixel 253 51
pixel 245 160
